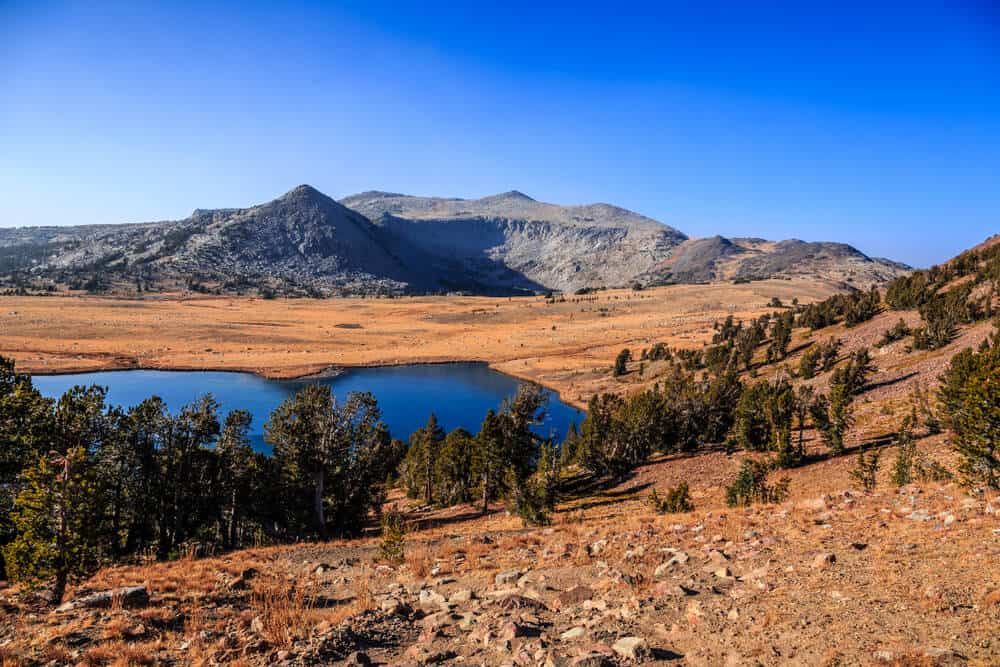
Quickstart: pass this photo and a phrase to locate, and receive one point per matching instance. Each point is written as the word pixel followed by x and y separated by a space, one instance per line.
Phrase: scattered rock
pixel 430 598
pixel 132 596
pixel 512 630
pixel 512 602
pixel 632 648
pixel 506 578
pixel 824 560
pixel 597 547
pixel 664 589
pixel 358 659
pixel 464 595
pixel 575 595
pixel 573 633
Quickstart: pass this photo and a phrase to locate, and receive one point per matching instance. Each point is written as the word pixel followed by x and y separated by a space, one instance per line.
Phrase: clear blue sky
pixel 875 126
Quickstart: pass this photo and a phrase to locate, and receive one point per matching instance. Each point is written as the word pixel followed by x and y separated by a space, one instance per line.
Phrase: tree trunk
pixel 59 587
pixel 486 489
pixel 318 503
pixel 233 521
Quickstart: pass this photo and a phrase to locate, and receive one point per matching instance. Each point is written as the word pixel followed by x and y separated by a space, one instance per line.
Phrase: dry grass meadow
pixel 565 345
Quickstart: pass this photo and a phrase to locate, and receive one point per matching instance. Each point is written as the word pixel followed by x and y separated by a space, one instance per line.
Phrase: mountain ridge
pixel 375 242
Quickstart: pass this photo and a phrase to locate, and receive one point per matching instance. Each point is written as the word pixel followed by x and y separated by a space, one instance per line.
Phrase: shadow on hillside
pixel 610 498
pixel 889 383
pixel 427 522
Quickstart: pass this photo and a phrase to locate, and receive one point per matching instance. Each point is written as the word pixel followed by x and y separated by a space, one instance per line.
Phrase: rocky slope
pixel 378 242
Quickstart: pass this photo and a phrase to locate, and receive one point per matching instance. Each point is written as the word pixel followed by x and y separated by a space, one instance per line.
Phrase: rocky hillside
pixel 375 242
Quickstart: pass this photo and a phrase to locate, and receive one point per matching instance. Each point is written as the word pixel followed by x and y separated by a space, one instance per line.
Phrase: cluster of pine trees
pixel 949 295
pixel 83 483
pixel 505 460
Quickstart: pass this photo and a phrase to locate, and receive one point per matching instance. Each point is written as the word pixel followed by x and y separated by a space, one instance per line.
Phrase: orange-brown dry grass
pixel 564 345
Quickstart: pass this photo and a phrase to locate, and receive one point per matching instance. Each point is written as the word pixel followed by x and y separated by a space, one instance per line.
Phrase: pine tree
pixel 427 442
pixel 298 430
pixel 902 469
pixel 237 464
pixel 457 467
pixel 621 362
pixel 55 520
pixel 490 446
pixel 865 472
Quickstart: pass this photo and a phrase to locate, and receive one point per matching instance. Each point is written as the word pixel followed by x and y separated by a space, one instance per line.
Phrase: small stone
pixel 464 595
pixel 430 598
pixel 575 595
pixel 632 648
pixel 663 589
pixel 597 547
pixel 824 560
pixel 505 578
pixel 395 607
pixel 358 659
pixel 573 633
pixel 511 630
pixel 467 621
pixel 679 558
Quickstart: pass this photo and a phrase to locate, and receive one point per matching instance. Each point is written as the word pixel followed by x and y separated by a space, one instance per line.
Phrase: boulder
pixel 132 596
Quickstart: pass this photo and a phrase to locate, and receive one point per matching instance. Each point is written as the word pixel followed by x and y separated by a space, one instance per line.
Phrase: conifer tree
pixel 56 520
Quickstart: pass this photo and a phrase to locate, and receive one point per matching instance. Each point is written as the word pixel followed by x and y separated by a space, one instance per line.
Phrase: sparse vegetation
pixel 750 486
pixel 677 500
pixel 865 472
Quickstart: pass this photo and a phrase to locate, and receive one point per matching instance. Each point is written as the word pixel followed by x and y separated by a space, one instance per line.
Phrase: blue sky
pixel 875 126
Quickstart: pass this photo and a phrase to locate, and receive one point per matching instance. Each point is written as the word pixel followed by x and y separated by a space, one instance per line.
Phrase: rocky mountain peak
pixel 304 194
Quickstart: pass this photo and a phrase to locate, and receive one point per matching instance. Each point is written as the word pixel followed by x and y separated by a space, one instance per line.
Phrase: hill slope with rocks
pixel 376 242
pixel 842 569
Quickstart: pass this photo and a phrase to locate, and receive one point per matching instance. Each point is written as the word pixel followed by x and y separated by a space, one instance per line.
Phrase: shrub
pixel 750 486
pixel 677 500
pixel 865 472
pixel 809 362
pixel 898 331
pixel 621 362
pixel 393 536
pixel 902 469
pixel 970 399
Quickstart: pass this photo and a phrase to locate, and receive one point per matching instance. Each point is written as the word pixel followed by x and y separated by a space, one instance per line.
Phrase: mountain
pixel 510 241
pixel 717 258
pixel 305 242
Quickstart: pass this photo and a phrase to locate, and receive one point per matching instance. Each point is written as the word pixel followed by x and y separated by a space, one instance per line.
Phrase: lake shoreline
pixel 330 372
pixel 459 393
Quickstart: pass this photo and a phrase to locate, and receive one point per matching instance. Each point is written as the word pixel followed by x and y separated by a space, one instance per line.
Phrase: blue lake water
pixel 459 394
